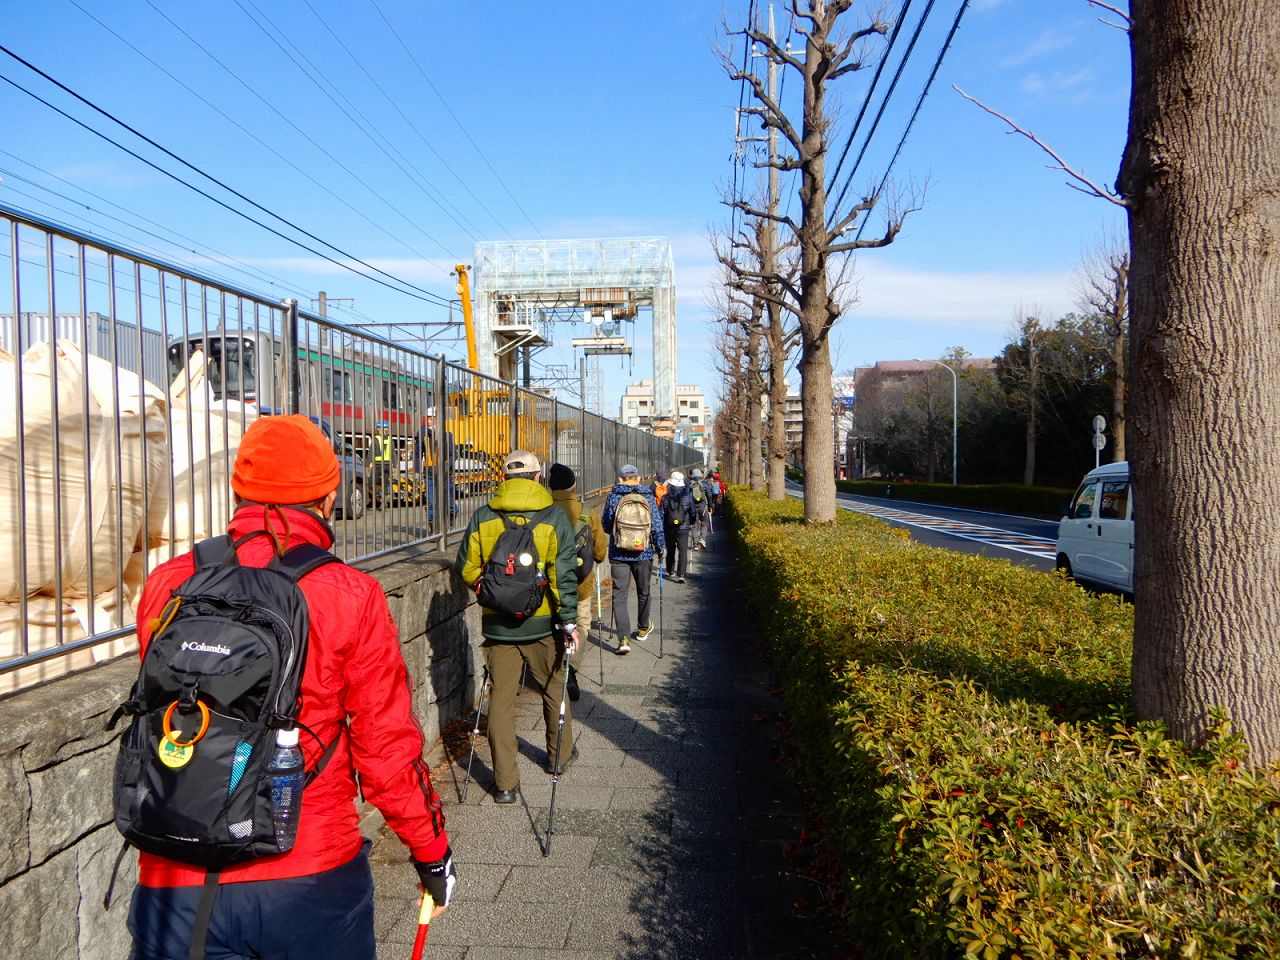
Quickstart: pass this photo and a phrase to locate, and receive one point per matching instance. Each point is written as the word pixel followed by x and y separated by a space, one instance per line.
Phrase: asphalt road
pixel 1028 541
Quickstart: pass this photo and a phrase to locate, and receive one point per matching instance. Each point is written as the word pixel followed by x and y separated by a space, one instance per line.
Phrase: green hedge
pixel 961 725
pixel 1008 497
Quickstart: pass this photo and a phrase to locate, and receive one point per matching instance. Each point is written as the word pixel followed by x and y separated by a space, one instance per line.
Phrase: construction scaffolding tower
pixel 522 288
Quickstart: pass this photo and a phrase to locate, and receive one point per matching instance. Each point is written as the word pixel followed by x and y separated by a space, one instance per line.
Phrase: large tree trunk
pixel 819 448
pixel 1200 173
pixel 755 403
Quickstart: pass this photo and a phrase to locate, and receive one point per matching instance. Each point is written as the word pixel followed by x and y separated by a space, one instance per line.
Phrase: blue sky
pixel 599 120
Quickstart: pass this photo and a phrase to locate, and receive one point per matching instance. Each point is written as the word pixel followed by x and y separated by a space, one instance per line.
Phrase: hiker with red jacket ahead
pixel 316 900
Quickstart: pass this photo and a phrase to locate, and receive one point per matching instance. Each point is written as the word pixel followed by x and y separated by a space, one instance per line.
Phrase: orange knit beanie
pixel 285 460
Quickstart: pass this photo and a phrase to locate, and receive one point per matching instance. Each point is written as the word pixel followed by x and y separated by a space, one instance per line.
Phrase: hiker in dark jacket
pixel 677 520
pixel 564 493
pixel 626 563
pixel 510 642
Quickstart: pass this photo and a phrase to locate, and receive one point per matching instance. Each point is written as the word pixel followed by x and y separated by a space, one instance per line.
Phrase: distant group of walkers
pixel 270 669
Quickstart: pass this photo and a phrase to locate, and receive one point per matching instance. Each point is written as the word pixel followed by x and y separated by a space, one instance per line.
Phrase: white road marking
pixel 1034 546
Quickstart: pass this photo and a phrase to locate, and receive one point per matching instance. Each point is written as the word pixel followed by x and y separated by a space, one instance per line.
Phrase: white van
pixel 1095 538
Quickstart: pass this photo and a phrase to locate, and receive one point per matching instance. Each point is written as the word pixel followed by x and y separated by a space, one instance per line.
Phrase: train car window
pixel 337 387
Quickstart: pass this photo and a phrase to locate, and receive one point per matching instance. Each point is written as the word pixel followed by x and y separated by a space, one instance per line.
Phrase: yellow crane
pixel 480 414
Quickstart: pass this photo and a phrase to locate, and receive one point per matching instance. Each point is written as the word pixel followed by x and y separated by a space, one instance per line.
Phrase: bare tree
pixel 1199 176
pixel 746 259
pixel 830 52
pixel 1104 291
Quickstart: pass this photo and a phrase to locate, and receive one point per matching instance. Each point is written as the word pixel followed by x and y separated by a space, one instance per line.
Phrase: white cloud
pixel 1047 42
pixel 979 302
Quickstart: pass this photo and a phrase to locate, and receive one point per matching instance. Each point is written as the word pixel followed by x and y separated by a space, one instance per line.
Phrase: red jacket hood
pixel 291 525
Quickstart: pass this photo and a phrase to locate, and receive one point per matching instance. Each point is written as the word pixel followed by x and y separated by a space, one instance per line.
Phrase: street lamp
pixel 955 414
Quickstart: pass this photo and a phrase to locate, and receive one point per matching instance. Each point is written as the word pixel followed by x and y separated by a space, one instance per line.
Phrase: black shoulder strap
pixel 298 561
pixel 215 551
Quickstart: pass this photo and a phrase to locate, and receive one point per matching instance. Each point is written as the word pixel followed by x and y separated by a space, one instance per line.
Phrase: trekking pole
pixel 559 761
pixel 475 732
pixel 662 632
pixel 424 925
pixel 600 626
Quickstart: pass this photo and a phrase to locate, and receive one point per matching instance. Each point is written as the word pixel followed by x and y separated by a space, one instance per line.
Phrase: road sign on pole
pixel 1099 423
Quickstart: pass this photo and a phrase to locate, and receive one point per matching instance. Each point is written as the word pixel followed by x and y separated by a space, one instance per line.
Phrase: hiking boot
pixel 574 692
pixel 643 632
pixel 624 647
pixel 681 580
pixel 560 767
pixel 506 796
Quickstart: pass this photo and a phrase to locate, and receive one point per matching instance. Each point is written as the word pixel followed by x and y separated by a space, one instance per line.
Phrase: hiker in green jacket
pixel 512 641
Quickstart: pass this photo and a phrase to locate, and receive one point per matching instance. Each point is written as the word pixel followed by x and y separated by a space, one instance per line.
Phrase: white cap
pixel 287 738
pixel 676 479
pixel 431 411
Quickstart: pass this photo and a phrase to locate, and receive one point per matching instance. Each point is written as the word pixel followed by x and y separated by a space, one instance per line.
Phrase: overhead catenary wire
pixel 465 133
pixel 409 120
pixel 884 103
pixel 937 65
pixel 871 89
pixel 421 293
pixel 735 195
pixel 265 143
pixel 359 119
pixel 319 147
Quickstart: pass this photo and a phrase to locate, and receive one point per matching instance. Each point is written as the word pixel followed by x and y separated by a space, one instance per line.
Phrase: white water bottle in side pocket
pixel 286 788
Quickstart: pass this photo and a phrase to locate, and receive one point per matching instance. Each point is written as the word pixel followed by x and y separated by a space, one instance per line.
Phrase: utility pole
pixel 769 267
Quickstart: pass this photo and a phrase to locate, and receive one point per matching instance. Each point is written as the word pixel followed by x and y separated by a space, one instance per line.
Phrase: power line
pixel 875 124
pixel 737 119
pixel 219 257
pixel 441 98
pixel 427 295
pixel 265 144
pixel 320 148
pixel 866 101
pixel 937 64
pixel 408 120
pixel 363 124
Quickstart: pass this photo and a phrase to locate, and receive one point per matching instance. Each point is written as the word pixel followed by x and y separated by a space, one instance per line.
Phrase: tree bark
pixel 1200 174
pixel 819 448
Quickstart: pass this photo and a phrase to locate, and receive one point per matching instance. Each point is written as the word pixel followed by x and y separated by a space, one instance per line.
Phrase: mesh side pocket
pixel 242 830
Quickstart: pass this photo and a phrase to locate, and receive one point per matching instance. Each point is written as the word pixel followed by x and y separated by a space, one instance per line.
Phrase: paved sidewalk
pixel 669 828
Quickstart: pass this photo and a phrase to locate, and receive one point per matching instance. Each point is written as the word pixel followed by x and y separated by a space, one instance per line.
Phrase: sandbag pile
pixel 84 462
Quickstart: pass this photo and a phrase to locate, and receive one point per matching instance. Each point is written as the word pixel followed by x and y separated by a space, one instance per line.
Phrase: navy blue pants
pixel 326 916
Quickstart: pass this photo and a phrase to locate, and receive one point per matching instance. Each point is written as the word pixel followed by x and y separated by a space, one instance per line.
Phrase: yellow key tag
pixel 173 755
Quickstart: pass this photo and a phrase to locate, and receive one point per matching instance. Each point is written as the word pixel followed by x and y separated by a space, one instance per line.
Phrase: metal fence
pixel 125 386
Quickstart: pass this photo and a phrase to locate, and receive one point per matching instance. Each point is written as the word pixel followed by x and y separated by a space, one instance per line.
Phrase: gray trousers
pixel 623 573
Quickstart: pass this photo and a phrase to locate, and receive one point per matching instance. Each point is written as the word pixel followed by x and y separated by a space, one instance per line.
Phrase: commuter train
pixel 353 389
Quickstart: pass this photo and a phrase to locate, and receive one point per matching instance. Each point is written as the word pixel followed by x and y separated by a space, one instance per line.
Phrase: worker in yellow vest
pixel 382 453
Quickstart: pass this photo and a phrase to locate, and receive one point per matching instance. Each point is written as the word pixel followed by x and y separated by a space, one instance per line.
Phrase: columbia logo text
pixel 206 648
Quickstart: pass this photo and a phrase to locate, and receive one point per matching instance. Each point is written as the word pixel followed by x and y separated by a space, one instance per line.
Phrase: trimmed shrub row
pixel 1006 497
pixel 961 725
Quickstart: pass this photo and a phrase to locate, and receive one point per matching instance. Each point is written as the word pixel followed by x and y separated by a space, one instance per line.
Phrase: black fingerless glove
pixel 438 877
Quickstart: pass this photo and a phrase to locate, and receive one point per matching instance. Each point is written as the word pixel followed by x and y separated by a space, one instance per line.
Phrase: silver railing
pixel 126 384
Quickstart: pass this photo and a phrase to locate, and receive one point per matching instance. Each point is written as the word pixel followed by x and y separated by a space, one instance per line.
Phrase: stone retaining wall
pixel 57 842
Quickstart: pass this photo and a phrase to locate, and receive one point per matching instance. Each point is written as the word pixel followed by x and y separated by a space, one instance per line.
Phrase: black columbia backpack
pixel 514 580
pixel 219 678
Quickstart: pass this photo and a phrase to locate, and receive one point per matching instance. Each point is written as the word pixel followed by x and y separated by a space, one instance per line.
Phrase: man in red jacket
pixel 316 901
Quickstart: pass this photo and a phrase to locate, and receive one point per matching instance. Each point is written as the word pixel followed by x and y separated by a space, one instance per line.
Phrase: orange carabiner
pixel 168 730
